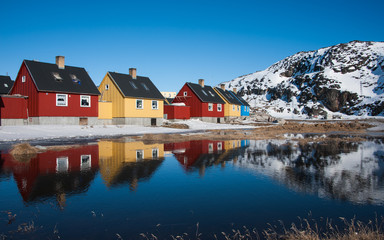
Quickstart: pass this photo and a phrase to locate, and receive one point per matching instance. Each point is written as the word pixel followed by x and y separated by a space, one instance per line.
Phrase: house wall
pixel 229 112
pixel 105 110
pixel 177 112
pixel 113 95
pixel 147 111
pixel 13 110
pixel 27 88
pixel 244 110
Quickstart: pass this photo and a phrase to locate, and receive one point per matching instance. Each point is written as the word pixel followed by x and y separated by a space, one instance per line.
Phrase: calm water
pixel 105 188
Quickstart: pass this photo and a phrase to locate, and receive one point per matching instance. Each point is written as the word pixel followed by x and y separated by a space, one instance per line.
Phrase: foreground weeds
pixel 306 230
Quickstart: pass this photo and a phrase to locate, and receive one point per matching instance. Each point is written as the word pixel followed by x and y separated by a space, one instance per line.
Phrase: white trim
pixel 85 97
pixel 65 102
pixel 221 107
pixel 185 93
pixel 157 105
pixel 139 155
pixel 142 103
pixel 156 151
pixel 62 164
pixel 210 107
pixel 23 78
pixel 219 146
pixel 85 165
pixel 210 148
pixel 106 87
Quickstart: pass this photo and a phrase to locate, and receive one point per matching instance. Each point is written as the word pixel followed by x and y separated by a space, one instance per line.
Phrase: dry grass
pixel 23 152
pixel 176 125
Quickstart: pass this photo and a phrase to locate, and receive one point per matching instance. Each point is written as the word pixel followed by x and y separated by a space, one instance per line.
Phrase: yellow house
pixel 128 162
pixel 232 106
pixel 134 100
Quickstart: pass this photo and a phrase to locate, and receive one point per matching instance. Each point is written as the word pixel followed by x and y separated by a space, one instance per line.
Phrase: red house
pixel 205 103
pixel 57 94
pixel 173 111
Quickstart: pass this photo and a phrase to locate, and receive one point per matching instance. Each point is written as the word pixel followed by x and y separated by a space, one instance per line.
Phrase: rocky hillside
pixel 342 79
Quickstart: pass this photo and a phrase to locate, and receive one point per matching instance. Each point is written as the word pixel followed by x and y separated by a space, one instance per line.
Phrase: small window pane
pixel 139 104
pixel 85 101
pixel 133 84
pixel 62 100
pixel 154 105
pixel 145 86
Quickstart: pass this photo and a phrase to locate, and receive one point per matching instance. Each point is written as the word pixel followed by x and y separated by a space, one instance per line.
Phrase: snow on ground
pixel 41 132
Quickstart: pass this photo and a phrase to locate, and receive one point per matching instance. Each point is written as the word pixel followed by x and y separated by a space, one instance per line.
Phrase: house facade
pixel 57 94
pixel 134 100
pixel 245 107
pixel 205 104
pixel 232 107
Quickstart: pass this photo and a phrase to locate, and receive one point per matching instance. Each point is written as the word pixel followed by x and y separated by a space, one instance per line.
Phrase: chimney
pixel 235 90
pixel 222 86
pixel 132 72
pixel 60 62
pixel 201 82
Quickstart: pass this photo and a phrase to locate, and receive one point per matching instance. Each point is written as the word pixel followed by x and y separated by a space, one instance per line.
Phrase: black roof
pixel 49 77
pixel 241 99
pixel 5 84
pixel 206 93
pixel 228 96
pixel 169 100
pixel 141 87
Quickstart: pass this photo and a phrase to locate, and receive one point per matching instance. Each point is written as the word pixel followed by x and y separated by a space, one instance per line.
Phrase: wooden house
pixel 57 94
pixel 232 107
pixel 134 99
pixel 245 108
pixel 5 84
pixel 176 111
pixel 204 102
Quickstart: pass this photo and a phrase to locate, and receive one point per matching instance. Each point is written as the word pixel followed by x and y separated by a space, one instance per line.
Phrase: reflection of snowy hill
pixel 345 171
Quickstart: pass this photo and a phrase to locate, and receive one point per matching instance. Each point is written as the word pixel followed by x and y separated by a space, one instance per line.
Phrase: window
pixel 139 155
pixel 23 79
pixel 74 78
pixel 62 100
pixel 145 86
pixel 85 101
pixel 5 85
pixel 233 107
pixel 139 104
pixel 185 94
pixel 155 153
pixel 219 146
pixel 210 148
pixel 210 106
pixel 106 87
pixel 219 107
pixel 85 162
pixel 57 77
pixel 204 92
pixel 154 104
pixel 238 108
pixel 211 94
pixel 62 164
pixel 133 84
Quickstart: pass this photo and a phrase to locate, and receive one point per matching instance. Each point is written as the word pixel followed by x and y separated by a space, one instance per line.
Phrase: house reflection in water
pixel 54 173
pixel 128 162
pixel 200 154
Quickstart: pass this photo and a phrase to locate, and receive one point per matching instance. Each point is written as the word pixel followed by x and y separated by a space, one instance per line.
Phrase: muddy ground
pixel 345 130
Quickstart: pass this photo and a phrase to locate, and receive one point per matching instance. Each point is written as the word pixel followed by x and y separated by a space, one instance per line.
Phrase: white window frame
pixel 142 103
pixel 139 155
pixel 233 107
pixel 157 105
pixel 219 107
pixel 238 108
pixel 219 146
pixel 65 102
pixel 185 93
pixel 62 164
pixel 210 148
pixel 85 165
pixel 23 78
pixel 155 153
pixel 210 107
pixel 85 97
pixel 106 87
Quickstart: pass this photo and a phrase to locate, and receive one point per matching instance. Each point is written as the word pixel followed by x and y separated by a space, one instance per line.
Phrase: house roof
pixel 241 99
pixel 228 96
pixel 5 84
pixel 168 101
pixel 49 77
pixel 141 87
pixel 206 93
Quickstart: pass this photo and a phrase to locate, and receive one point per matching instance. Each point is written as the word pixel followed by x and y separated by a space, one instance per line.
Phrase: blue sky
pixel 174 42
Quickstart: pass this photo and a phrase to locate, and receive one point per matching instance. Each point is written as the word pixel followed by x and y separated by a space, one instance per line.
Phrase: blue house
pixel 244 105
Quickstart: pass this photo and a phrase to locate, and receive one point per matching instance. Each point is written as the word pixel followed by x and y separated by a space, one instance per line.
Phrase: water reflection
pixel 338 170
pixel 124 163
pixel 349 171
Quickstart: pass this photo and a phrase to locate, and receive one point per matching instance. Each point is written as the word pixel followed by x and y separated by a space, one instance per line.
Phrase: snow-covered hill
pixel 344 79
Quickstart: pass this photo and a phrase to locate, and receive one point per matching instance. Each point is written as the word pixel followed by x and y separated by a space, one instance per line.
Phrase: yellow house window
pixel 154 105
pixel 139 104
pixel 233 107
pixel 238 108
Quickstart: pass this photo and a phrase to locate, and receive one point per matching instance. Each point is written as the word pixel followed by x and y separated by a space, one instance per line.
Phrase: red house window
pixel 85 101
pixel 210 107
pixel 62 100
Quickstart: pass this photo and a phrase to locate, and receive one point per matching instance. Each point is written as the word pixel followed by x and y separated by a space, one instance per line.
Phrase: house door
pixel 153 121
pixel 218 120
